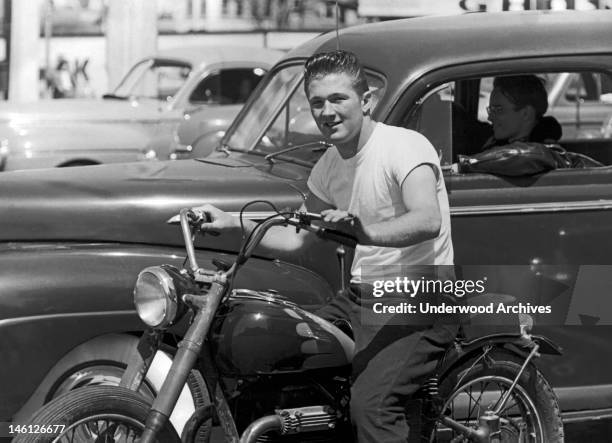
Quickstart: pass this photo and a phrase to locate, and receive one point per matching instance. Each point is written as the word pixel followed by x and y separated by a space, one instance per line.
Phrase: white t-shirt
pixel 368 185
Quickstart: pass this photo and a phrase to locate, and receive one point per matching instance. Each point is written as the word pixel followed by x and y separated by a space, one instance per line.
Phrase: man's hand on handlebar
pixel 344 222
pixel 214 219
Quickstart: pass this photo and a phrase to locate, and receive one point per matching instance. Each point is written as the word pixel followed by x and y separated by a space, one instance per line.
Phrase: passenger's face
pixel 336 107
pixel 508 121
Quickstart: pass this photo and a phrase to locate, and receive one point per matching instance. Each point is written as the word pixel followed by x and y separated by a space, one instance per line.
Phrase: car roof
pixel 427 43
pixel 204 55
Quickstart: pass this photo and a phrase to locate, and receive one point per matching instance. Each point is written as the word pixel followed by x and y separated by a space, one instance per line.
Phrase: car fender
pixel 103 347
pixel 57 296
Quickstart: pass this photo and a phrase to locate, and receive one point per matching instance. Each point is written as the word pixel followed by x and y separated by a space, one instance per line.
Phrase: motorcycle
pixel 269 371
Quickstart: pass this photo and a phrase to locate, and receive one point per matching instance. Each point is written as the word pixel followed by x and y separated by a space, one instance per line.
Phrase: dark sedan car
pixel 74 240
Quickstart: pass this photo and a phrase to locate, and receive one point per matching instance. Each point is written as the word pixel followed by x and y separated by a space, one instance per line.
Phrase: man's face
pixel 508 121
pixel 336 107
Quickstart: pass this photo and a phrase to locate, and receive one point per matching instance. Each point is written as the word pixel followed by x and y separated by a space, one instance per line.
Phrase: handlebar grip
pixel 338 237
pixel 196 219
pixel 205 218
pixel 201 217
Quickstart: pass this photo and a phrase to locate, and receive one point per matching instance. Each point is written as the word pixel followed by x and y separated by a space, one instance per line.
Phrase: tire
pixel 101 362
pixel 84 412
pixel 531 414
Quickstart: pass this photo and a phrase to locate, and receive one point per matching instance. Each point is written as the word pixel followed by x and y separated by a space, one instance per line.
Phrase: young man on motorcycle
pixel 388 182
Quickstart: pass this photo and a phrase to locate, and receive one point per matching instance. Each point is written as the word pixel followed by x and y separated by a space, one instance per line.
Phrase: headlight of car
pixel 155 297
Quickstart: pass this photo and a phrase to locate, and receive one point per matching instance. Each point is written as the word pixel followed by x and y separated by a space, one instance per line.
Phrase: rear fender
pixel 513 343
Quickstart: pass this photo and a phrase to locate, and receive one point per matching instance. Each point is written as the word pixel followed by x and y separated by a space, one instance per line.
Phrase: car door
pixel 544 239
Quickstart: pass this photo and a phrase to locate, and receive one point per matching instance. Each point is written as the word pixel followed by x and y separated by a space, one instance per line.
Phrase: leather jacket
pixel 524 158
pixel 540 153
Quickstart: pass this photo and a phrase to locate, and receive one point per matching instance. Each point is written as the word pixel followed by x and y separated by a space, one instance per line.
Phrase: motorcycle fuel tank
pixel 263 333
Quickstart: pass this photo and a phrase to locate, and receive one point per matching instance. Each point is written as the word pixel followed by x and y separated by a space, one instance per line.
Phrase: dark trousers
pixel 391 362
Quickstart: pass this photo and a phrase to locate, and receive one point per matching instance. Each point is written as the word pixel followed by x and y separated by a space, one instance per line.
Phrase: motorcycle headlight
pixel 155 297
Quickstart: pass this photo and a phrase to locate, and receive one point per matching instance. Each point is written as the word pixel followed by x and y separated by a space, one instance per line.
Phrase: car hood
pixel 131 202
pixel 33 113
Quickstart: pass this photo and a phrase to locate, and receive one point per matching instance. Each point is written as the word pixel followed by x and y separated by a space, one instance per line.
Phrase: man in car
pixel 388 182
pixel 524 140
pixel 516 110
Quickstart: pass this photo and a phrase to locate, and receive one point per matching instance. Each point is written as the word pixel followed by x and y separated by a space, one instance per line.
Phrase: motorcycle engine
pixel 308 424
pixel 310 413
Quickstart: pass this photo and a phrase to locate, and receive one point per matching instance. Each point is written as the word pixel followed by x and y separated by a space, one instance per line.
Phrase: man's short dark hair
pixel 524 90
pixel 336 62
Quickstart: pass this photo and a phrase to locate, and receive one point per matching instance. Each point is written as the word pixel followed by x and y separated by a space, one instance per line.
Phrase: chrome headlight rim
pixel 156 309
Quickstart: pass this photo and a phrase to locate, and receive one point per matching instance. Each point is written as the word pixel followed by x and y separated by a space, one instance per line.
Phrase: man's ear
pixel 529 113
pixel 366 102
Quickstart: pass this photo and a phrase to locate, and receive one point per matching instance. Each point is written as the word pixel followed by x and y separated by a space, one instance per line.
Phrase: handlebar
pixel 300 220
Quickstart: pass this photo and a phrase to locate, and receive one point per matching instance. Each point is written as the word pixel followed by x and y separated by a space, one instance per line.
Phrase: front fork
pixel 189 348
pixel 140 361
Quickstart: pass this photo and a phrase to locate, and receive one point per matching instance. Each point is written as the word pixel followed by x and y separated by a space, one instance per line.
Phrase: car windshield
pixel 152 78
pixel 279 119
pixel 248 130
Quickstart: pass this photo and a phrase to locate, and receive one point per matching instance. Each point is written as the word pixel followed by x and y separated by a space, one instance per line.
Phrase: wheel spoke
pixel 476 401
pixel 508 407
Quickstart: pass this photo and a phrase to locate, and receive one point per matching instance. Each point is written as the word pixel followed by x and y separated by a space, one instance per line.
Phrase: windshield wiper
pixel 324 145
pixel 227 149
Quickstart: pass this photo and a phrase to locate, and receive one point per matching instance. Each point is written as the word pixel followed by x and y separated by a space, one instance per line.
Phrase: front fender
pixel 57 296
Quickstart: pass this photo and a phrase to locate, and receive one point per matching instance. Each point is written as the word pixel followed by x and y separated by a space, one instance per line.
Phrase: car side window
pixel 455 117
pixel 580 102
pixel 153 79
pixel 169 81
pixel 583 86
pixel 227 87
pixel 449 121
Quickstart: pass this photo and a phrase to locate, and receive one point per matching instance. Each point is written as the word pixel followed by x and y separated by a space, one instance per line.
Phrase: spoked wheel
pixel 519 419
pixel 100 414
pixel 530 415
pixel 102 428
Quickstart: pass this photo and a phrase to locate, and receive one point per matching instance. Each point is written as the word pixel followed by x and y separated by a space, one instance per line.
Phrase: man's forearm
pixel 406 230
pixel 278 239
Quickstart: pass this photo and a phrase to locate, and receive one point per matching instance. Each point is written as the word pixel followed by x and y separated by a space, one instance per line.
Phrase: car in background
pixel 72 241
pixel 136 121
pixel 581 101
